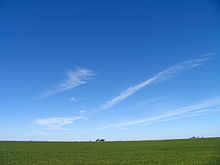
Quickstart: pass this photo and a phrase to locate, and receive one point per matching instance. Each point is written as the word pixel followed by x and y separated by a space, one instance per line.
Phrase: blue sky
pixel 119 70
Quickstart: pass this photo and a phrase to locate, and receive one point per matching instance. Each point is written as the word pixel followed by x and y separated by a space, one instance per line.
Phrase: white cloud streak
pixel 163 75
pixel 74 79
pixel 82 111
pixel 73 99
pixel 80 76
pixel 183 112
pixel 57 122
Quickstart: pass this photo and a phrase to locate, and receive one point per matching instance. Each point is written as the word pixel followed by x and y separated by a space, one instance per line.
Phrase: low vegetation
pixel 166 152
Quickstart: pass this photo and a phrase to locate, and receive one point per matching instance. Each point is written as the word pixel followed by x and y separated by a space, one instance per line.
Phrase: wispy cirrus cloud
pixel 57 122
pixel 209 54
pixel 163 75
pixel 182 112
pixel 74 79
pixel 73 99
pixel 82 111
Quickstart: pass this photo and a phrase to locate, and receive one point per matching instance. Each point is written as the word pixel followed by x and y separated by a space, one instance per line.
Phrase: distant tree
pixel 97 140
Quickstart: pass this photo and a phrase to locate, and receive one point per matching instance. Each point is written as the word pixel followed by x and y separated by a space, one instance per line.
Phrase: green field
pixel 167 152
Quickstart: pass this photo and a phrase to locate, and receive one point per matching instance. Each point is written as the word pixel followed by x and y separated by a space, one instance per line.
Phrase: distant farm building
pixel 100 140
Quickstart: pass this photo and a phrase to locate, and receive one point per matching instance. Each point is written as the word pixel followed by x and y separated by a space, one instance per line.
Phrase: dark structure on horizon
pixel 100 140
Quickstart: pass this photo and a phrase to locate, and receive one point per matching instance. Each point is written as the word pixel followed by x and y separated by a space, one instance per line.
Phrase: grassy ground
pixel 171 152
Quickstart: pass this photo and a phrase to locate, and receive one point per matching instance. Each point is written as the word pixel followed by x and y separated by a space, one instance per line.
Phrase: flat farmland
pixel 164 152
